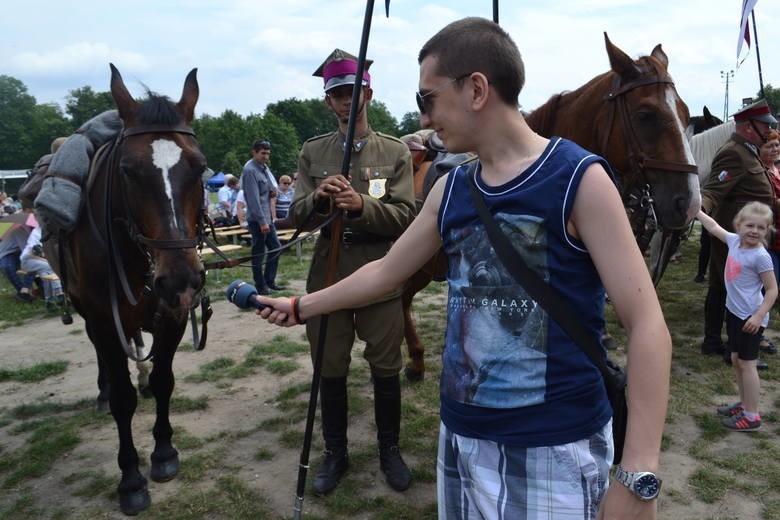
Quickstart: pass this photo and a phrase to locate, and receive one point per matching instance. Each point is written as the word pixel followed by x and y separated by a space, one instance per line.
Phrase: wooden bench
pixel 225 249
pixel 233 234
pixel 48 277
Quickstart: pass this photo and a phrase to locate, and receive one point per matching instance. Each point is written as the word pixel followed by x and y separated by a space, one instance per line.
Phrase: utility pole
pixel 726 75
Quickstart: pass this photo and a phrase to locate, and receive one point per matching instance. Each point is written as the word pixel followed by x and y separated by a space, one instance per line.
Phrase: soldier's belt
pixel 349 236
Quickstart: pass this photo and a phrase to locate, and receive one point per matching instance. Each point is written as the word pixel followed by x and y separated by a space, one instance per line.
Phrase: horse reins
pixel 637 195
pixel 108 153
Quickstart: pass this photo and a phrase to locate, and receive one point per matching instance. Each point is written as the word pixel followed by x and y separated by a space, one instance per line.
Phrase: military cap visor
pixel 758 111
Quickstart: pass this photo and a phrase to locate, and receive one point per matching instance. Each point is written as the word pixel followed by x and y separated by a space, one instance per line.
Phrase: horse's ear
pixel 620 62
pixel 124 101
pixel 189 96
pixel 659 54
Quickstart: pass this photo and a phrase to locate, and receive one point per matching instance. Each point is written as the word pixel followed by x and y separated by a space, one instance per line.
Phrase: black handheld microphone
pixel 243 295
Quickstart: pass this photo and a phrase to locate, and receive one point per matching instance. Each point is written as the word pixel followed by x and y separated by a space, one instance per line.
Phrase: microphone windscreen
pixel 241 294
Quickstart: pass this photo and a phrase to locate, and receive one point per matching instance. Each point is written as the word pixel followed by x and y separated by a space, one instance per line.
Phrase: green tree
pixel 772 96
pixel 82 104
pixel 48 123
pixel 381 119
pixel 17 112
pixel 309 117
pixel 410 123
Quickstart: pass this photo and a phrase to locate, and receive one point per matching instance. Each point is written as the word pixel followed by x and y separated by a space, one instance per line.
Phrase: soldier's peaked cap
pixel 759 111
pixel 340 68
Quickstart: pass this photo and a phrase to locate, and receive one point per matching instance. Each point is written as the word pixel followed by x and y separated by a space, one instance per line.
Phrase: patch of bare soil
pixel 241 405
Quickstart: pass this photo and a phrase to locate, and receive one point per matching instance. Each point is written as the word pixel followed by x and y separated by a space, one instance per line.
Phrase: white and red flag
pixel 744 29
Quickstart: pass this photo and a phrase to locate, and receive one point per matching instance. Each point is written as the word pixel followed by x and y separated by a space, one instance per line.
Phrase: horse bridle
pixel 143 242
pixel 637 195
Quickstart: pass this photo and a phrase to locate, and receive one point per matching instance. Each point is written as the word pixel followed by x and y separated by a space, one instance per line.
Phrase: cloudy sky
pixel 253 52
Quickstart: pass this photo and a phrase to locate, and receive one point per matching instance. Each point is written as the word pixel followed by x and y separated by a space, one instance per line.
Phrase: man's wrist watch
pixel 643 484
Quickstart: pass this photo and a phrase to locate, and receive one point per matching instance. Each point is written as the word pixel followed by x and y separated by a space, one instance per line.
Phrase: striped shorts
pixel 480 479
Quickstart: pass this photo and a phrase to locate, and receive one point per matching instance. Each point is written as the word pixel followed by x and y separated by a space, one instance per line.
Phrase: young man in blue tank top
pixel 525 423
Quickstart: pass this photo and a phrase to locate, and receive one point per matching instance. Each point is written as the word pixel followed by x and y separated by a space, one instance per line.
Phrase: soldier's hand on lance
pixel 331 186
pixel 277 311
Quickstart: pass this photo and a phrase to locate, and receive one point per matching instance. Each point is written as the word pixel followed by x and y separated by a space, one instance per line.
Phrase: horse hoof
pixel 67 319
pixel 412 375
pixel 133 503
pixel 102 406
pixel 163 471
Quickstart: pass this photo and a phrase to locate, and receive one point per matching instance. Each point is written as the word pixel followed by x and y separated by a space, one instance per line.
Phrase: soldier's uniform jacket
pixel 381 172
pixel 737 177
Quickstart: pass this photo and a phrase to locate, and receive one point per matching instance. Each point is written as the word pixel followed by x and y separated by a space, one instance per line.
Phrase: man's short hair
pixel 261 144
pixel 478 45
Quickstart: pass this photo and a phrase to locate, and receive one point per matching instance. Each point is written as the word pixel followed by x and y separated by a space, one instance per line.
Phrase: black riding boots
pixel 714 309
pixel 333 398
pixel 387 413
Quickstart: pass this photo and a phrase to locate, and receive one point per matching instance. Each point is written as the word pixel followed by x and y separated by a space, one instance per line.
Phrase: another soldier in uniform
pixel 738 176
pixel 377 199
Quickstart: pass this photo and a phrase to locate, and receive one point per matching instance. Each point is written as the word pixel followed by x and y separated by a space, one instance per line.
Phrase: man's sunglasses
pixel 425 103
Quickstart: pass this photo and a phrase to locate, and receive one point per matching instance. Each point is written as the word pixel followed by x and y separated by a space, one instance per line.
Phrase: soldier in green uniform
pixel 377 200
pixel 737 176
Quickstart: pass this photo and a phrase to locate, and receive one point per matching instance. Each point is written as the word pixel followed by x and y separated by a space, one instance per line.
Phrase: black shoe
pixel 761 364
pixel 275 287
pixel 769 348
pixel 396 471
pixel 717 349
pixel 24 297
pixel 699 278
pixel 333 467
pixel 263 290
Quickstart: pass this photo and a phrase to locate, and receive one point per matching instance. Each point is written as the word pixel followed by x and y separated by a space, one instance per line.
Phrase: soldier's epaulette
pixel 318 137
pixel 391 137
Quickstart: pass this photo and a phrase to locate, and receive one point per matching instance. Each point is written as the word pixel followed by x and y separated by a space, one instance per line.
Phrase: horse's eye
pixel 645 116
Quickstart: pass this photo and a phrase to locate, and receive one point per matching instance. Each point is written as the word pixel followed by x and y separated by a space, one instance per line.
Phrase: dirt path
pixel 238 405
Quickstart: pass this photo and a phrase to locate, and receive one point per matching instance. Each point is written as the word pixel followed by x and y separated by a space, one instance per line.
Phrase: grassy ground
pixel 707 469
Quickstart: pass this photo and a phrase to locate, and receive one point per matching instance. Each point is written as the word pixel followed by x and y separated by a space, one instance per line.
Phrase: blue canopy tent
pixel 216 181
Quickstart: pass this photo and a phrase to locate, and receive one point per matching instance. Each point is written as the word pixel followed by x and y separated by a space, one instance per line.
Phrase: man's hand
pixel 265 229
pixel 620 503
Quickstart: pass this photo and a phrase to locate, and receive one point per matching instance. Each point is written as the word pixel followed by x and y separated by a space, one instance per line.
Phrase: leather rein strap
pixel 640 161
pixel 117 271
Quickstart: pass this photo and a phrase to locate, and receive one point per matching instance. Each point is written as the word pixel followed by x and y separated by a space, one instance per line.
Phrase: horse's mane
pixel 157 110
pixel 705 144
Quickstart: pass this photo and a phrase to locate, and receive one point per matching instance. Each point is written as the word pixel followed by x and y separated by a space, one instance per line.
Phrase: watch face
pixel 647 486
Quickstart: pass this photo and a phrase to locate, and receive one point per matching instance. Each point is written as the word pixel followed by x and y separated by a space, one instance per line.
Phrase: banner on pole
pixel 744 27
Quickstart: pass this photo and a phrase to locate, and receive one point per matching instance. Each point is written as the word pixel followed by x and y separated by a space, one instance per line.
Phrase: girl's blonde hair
pixel 755 209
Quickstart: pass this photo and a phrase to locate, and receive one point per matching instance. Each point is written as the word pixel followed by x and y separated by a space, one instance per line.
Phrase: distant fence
pixel 12 180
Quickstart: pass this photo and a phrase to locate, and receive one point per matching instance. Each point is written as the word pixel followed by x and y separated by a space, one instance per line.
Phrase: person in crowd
pixel 770 154
pixel 226 198
pixel 33 262
pixel 7 205
pixel 737 176
pixel 257 183
pixel 10 251
pixel 524 413
pixel 376 200
pixel 748 271
pixel 284 199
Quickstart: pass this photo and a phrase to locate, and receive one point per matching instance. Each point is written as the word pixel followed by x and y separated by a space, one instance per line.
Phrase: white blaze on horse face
pixel 693 178
pixel 165 155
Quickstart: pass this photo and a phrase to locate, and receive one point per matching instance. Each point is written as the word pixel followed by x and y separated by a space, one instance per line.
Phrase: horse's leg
pixel 132 490
pixel 165 458
pixel 144 367
pixel 104 384
pixel 415 368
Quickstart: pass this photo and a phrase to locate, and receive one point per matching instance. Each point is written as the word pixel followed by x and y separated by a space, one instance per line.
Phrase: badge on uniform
pixel 724 176
pixel 376 188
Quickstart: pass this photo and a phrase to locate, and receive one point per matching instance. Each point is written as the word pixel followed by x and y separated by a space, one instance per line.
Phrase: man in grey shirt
pixel 259 187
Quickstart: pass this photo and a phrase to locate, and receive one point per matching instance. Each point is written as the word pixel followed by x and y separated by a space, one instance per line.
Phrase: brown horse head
pixel 633 117
pixel 160 168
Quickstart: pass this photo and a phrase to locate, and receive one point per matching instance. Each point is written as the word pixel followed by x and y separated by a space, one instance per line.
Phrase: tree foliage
pixel 27 128
pixel 772 96
pixel 82 104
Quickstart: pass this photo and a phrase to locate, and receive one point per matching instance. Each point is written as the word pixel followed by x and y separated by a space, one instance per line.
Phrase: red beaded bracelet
pixel 296 310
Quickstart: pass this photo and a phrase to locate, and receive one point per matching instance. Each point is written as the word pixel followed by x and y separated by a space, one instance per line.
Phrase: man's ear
pixel 481 89
pixel 368 94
